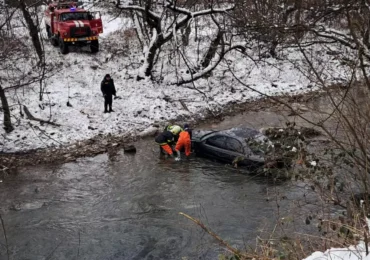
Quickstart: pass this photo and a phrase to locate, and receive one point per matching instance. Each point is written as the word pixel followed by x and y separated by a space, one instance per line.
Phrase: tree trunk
pixel 185 34
pixel 154 47
pixel 150 60
pixel 273 46
pixel 298 8
pixel 138 28
pixel 297 18
pixel 212 49
pixel 32 28
pixel 4 103
pixel 8 25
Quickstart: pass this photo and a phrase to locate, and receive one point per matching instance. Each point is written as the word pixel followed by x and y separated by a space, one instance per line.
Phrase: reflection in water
pixel 118 206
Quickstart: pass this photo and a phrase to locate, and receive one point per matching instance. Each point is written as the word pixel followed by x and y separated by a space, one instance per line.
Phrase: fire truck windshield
pixel 75 16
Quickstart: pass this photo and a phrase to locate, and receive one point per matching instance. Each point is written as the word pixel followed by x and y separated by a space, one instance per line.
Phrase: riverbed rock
pixel 298 109
pixel 15 207
pixel 129 148
pixel 309 132
pixel 150 131
pixel 26 205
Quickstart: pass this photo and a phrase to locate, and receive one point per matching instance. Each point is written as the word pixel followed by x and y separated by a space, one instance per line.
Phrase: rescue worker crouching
pixel 175 130
pixel 164 140
pixel 184 142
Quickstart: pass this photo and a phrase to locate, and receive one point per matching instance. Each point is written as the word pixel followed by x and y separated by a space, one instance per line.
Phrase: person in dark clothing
pixel 108 89
pixel 164 140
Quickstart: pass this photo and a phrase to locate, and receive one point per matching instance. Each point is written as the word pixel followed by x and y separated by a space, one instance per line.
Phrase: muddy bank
pixel 111 144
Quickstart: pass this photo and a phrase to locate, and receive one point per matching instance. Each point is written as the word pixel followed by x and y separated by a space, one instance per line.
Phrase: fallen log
pixel 31 117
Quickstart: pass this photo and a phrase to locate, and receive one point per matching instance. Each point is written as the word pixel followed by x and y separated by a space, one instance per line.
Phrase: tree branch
pixel 31 117
pixel 210 67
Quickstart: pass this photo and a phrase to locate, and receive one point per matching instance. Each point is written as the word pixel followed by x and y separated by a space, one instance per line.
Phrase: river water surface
pixel 118 206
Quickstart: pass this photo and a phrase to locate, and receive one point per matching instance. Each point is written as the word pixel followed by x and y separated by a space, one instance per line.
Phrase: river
pixel 123 206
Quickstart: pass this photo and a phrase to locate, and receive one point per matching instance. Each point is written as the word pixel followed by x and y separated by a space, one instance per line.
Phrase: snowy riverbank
pixel 143 103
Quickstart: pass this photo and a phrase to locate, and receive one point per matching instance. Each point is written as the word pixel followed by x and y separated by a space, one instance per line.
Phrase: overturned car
pixel 237 146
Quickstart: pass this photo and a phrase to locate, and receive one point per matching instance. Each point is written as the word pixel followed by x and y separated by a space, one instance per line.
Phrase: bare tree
pixel 163 25
pixel 15 58
pixel 33 30
pixel 8 127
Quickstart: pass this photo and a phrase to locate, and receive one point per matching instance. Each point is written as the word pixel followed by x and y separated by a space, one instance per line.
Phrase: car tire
pixel 64 48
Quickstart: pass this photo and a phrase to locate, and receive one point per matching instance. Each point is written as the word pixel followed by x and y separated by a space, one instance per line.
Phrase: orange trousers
pixel 184 141
pixel 167 148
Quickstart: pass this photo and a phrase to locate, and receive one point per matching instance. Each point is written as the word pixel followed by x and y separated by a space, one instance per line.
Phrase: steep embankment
pixel 143 103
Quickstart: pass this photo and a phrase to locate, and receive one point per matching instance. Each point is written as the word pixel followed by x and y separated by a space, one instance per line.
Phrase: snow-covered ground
pixel 143 102
pixel 351 253
pixel 358 252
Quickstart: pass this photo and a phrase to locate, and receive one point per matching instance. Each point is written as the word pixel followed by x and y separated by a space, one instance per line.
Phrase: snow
pixel 350 253
pixel 143 103
pixel 112 24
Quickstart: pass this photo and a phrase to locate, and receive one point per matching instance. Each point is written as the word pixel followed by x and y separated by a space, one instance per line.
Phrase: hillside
pixel 76 79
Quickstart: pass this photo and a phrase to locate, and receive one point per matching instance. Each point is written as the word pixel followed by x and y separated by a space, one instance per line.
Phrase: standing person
pixel 184 142
pixel 164 140
pixel 108 89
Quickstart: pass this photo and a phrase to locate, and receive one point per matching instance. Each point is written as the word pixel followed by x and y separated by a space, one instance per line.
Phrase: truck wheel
pixel 54 41
pixel 63 46
pixel 94 46
pixel 48 31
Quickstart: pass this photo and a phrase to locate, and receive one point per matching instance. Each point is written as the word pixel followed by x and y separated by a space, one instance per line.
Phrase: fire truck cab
pixel 67 24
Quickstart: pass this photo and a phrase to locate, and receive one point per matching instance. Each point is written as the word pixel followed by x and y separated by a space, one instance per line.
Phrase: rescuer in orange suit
pixel 164 140
pixel 184 142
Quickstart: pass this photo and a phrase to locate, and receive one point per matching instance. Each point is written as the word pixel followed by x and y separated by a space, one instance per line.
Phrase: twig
pixel 43 132
pixel 52 252
pixel 6 238
pixel 223 242
pixel 79 242
pixel 184 105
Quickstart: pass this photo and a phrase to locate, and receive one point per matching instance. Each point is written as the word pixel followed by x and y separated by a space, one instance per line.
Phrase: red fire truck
pixel 68 25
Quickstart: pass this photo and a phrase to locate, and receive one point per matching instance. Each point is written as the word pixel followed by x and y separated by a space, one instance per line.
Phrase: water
pixel 118 206
pixel 127 207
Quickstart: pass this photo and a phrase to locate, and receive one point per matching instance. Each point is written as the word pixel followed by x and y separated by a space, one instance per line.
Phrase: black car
pixel 238 146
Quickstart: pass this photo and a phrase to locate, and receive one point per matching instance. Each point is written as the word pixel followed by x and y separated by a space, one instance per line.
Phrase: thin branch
pixel 52 252
pixel 6 238
pixel 79 243
pixel 219 239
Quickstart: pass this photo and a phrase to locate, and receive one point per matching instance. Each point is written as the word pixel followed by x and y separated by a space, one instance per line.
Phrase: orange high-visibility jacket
pixel 184 141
